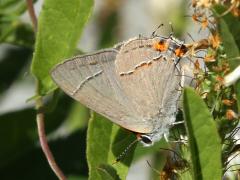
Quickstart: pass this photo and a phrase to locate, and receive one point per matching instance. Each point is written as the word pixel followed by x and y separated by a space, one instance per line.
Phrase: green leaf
pixel 228 28
pixel 120 140
pixel 232 22
pixel 78 117
pixel 204 141
pixel 229 43
pixel 60 25
pixel 105 142
pixel 98 144
pixel 108 172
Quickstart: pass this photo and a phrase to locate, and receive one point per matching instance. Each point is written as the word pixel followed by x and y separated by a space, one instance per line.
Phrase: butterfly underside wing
pixel 134 86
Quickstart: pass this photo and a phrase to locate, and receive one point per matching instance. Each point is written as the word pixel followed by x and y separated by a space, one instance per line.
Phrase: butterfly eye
pixel 146 139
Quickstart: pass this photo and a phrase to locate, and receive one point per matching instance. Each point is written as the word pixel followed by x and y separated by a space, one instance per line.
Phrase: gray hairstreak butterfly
pixel 136 84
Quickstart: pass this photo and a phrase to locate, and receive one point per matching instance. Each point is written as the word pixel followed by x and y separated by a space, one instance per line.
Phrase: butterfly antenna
pixel 154 32
pixel 172 31
pixel 174 152
pixel 155 170
pixel 189 35
pixel 125 151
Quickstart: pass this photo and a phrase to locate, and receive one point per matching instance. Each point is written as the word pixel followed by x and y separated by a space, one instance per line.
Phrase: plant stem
pixel 32 14
pixel 44 143
pixel 40 113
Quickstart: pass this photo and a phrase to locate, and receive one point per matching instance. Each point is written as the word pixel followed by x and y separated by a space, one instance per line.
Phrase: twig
pixel 40 114
pixel 44 143
pixel 32 14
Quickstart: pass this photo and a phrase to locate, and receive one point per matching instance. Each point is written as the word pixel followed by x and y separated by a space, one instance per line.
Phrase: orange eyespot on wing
pixel 179 52
pixel 160 46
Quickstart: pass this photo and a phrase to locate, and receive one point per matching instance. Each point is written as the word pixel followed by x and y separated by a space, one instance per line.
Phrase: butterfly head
pixel 149 139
